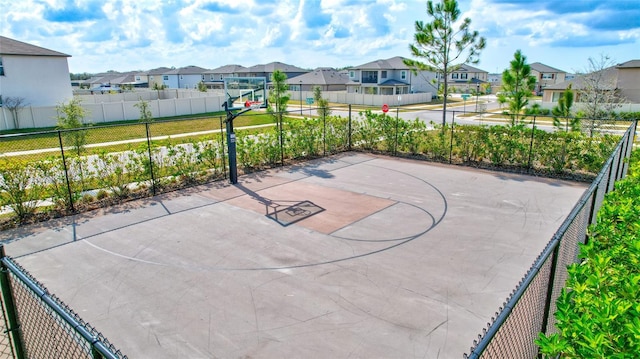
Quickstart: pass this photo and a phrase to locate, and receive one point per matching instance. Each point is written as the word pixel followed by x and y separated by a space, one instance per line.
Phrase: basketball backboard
pixel 244 92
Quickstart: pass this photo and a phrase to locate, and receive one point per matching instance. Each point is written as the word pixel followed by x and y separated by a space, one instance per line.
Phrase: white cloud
pixel 144 34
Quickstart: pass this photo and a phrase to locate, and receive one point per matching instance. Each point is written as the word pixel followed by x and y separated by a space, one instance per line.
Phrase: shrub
pixel 598 312
pixel 21 187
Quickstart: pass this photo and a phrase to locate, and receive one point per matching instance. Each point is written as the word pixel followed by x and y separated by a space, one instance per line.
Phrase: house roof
pixel 629 64
pixel 271 67
pixel 191 70
pixel 157 71
pixel 227 69
pixel 394 63
pixel 542 68
pixel 468 68
pixel 320 76
pixel 14 47
pixel 392 82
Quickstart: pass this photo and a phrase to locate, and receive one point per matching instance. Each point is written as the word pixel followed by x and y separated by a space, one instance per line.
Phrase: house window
pixel 403 75
pixel 383 75
pixel 547 76
pixel 211 77
pixel 151 77
pixel 370 77
pixel 454 75
pixel 464 76
pixel 352 74
pixel 137 78
pixel 1 68
pixel 221 77
pixel 165 77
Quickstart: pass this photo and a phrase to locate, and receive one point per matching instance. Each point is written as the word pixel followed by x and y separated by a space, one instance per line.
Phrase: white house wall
pixel 40 80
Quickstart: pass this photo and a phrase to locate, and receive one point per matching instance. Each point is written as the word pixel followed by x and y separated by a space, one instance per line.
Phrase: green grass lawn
pixel 98 137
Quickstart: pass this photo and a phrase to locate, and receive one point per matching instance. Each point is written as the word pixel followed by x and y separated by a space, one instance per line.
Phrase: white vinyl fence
pixel 111 107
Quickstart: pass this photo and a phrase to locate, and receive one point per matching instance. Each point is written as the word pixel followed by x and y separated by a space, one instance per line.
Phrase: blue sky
pixel 127 35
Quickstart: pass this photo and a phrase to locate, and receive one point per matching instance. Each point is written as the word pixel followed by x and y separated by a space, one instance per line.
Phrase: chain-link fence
pixel 66 171
pixel 529 310
pixel 39 325
pixel 81 167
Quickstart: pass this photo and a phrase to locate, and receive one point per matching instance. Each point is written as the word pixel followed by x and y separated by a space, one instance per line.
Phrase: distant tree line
pixel 80 76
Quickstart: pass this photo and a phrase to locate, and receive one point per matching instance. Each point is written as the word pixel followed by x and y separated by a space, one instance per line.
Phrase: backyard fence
pixel 112 107
pixel 36 324
pixel 530 308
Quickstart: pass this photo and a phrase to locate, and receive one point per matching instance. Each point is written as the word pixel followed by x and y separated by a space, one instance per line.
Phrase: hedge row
pixel 63 184
pixel 598 312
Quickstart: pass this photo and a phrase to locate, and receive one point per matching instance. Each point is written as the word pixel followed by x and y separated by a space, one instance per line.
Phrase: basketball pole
pixel 231 140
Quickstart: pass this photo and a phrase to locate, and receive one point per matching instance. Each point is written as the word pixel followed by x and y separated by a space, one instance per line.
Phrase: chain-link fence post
pixel 13 328
pixel 549 297
pixel 324 133
pixel 395 144
pixel 66 171
pixel 453 122
pixel 349 131
pixel 153 179
pixel 533 131
pixel 223 148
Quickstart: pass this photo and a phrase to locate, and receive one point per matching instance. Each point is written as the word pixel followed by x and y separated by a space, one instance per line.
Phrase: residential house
pixel 268 70
pixel 116 80
pixel 389 77
pixel 623 78
pixel 546 76
pixel 185 77
pixel 465 79
pixel 155 76
pixel 326 78
pixel 213 78
pixel 40 76
pixel 495 80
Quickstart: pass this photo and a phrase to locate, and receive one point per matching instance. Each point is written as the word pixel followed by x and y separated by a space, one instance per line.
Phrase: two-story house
pixel 623 78
pixel 546 76
pixel 465 79
pixel 39 76
pixel 267 70
pixel 213 78
pixel 155 76
pixel 389 77
pixel 187 77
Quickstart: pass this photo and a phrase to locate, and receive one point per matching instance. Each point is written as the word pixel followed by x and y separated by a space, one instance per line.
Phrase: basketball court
pixel 354 255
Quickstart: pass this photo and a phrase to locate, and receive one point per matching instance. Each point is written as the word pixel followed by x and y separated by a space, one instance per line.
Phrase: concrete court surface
pixel 351 256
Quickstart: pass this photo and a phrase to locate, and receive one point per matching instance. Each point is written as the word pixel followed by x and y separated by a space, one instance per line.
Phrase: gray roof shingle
pixel 14 47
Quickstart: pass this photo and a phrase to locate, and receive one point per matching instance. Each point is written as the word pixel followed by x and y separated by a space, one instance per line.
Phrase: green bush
pixel 21 187
pixel 598 311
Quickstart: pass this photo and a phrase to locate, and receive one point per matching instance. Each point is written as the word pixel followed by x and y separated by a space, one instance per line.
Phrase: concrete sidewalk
pixel 353 256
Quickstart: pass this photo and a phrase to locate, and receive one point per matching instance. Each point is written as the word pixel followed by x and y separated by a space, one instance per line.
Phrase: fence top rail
pixel 89 334
pixel 515 296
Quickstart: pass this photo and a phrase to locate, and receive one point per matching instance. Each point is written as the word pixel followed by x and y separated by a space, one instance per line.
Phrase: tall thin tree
pixel 278 97
pixel 563 116
pixel 518 85
pixel 442 48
